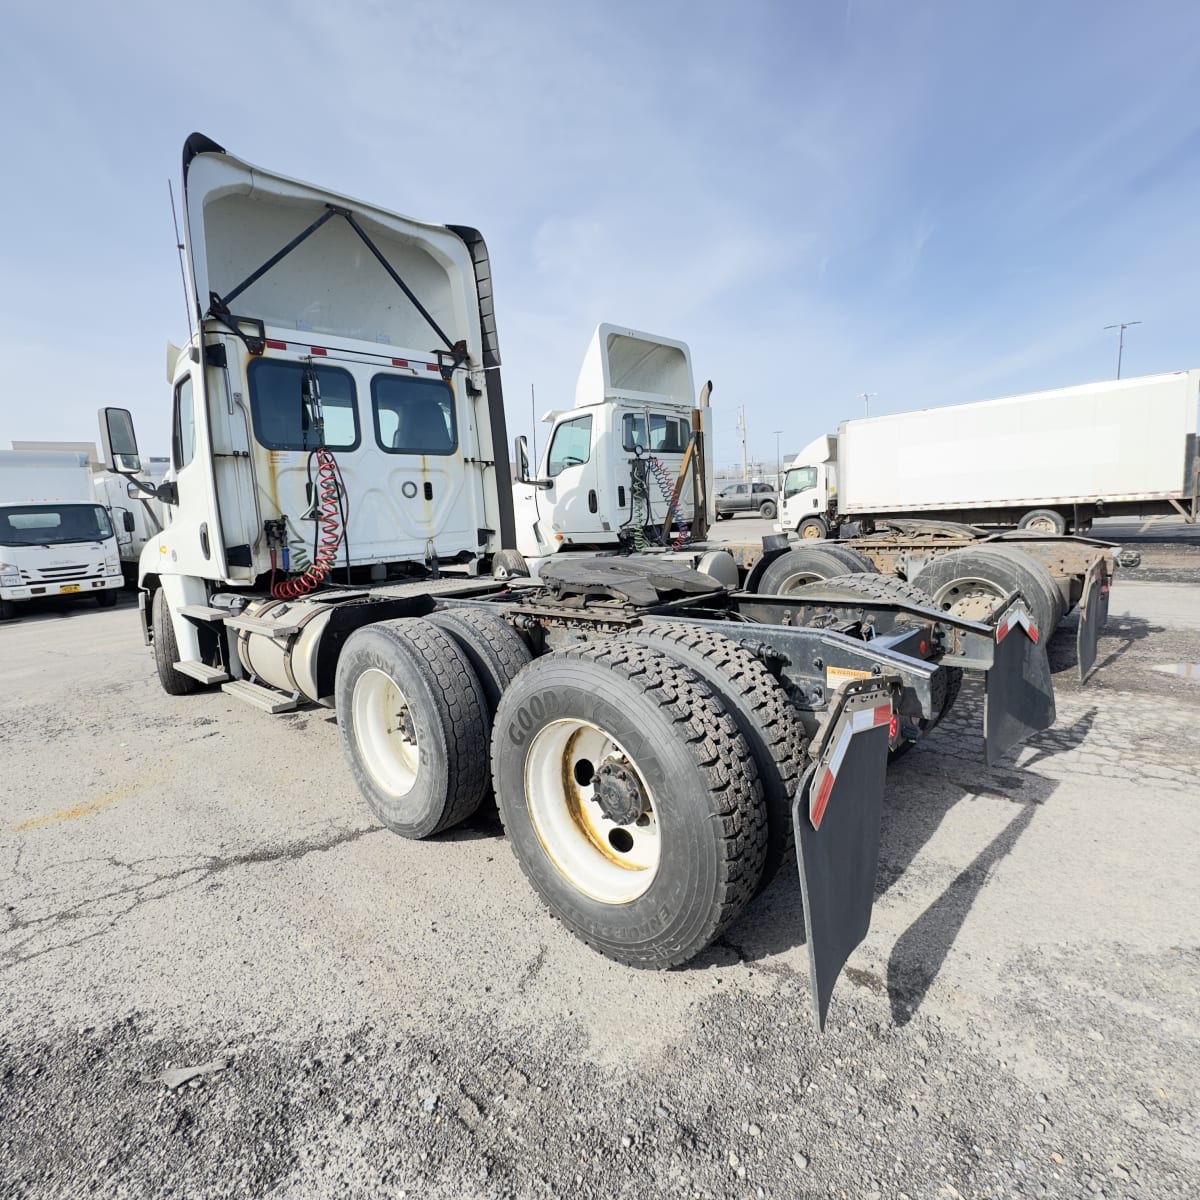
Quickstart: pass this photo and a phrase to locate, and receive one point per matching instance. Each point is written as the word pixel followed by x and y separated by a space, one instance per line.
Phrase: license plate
pixel 69 587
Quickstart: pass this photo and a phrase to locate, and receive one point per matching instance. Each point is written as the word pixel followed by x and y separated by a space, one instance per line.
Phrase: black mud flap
pixel 836 815
pixel 1019 697
pixel 1093 616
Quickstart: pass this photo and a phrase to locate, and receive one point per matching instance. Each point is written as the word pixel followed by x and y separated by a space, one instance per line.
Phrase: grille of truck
pixel 58 574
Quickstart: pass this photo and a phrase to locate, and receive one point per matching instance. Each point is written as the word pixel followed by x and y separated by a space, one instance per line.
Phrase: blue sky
pixel 934 202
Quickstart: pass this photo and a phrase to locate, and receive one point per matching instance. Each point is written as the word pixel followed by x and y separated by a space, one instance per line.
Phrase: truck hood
pixel 627 364
pixel 295 256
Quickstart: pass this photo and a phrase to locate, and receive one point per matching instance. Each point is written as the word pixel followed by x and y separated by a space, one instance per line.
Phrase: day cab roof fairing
pixel 626 364
pixel 292 255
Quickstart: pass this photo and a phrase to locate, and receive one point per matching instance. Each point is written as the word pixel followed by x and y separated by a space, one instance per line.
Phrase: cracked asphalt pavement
pixel 186 881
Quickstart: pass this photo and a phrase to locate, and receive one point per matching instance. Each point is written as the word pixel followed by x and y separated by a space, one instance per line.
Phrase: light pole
pixel 1122 326
pixel 778 462
pixel 865 397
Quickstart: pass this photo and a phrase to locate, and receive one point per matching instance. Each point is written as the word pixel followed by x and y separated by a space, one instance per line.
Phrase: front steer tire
pixel 413 720
pixel 166 651
pixel 648 893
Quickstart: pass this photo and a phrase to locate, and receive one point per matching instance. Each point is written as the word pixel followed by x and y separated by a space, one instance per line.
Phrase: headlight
pixel 112 564
pixel 9 575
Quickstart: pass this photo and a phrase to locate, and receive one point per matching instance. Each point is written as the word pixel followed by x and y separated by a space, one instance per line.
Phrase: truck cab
pixel 338 405
pixel 809 502
pixel 612 463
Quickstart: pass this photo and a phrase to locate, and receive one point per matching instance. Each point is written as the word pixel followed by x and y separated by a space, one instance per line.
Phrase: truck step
pixel 202 672
pixel 272 629
pixel 268 699
pixel 201 612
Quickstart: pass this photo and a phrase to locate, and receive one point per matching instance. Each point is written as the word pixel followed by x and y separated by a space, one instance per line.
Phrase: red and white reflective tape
pixel 322 352
pixel 852 723
pixel 1017 616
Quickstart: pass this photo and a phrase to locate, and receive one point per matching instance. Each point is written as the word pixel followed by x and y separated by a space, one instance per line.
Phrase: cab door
pixel 192 543
pixel 571 469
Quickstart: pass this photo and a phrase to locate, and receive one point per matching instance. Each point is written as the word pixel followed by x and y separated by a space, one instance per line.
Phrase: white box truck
pixel 55 539
pixel 1046 461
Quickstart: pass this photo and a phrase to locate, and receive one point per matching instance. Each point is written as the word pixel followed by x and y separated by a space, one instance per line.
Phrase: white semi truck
pixel 55 539
pixel 1047 461
pixel 625 467
pixel 341 516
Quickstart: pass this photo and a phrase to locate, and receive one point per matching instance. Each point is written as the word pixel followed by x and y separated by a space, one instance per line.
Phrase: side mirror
pixel 127 520
pixel 521 457
pixel 119 441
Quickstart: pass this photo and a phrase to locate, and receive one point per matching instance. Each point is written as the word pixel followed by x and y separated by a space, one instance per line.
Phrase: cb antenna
pixel 187 304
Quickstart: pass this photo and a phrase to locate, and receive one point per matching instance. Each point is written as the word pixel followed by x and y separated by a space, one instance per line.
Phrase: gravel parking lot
pixel 188 882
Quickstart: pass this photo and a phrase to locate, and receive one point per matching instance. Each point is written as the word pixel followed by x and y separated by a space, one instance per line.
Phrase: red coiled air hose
pixel 330 537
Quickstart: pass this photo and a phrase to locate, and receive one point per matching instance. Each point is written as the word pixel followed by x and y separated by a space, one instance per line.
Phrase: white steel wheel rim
pixel 384 733
pixel 1043 525
pixel 971 599
pixel 790 583
pixel 611 863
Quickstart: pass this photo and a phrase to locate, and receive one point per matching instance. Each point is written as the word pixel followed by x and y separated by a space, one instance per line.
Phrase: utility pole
pixel 865 397
pixel 741 425
pixel 1122 326
pixel 778 462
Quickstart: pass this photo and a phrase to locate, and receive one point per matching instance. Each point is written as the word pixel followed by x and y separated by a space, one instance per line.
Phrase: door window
pixel 183 430
pixel 571 445
pixel 798 479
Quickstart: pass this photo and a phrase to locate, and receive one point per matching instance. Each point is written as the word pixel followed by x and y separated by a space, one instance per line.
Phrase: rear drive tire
pixel 413 720
pixel 766 510
pixel 1044 520
pixel 856 563
pixel 509 564
pixel 795 568
pixel 495 650
pixel 765 718
pixel 676 851
pixel 166 651
pixel 971 582
pixel 813 529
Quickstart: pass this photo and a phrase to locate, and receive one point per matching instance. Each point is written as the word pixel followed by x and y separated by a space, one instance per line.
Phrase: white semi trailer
pixel 1047 461
pixel 55 539
pixel 340 502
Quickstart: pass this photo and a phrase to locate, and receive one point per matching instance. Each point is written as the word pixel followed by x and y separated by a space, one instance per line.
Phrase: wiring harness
pixel 640 518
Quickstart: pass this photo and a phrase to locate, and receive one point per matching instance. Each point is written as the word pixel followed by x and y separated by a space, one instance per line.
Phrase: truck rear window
pixel 281 419
pixel 668 435
pixel 413 415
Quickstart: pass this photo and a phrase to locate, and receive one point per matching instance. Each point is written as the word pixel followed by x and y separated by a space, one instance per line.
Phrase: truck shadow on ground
pixel 31 612
pixel 922 790
pixel 1118 636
